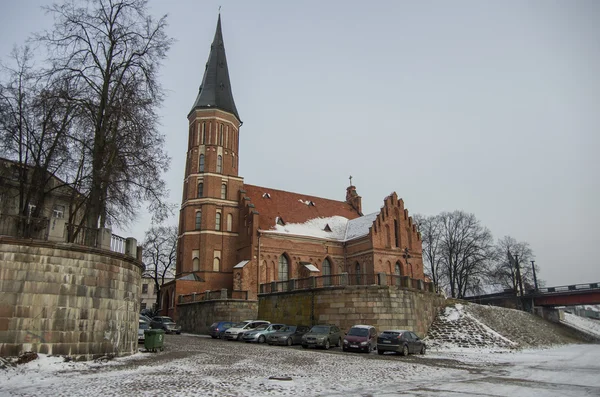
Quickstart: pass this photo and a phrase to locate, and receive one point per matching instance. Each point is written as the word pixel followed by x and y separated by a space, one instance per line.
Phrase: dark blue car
pixel 216 329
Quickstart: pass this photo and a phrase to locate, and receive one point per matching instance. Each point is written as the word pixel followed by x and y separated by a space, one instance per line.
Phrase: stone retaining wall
pixel 196 317
pixel 67 299
pixel 384 307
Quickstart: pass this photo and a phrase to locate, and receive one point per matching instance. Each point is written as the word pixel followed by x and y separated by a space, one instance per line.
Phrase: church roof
pixel 287 207
pixel 215 90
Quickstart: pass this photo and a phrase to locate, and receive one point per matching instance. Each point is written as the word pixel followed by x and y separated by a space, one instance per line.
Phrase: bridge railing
pixel 569 288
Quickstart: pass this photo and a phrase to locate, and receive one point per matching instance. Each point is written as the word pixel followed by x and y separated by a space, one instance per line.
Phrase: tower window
pixel 221 136
pixel 203 132
pixel 229 222
pixel 396 231
pixel 218 221
pixel 224 191
pixel 200 189
pixel 198 220
pixel 219 164
pixel 201 164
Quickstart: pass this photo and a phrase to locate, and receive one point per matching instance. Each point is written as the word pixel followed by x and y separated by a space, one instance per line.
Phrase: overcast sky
pixel 488 107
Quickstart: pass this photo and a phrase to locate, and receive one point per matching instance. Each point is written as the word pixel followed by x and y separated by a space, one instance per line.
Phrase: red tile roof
pixel 293 207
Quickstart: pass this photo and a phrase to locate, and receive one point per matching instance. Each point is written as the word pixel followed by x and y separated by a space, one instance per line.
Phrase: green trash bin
pixel 153 339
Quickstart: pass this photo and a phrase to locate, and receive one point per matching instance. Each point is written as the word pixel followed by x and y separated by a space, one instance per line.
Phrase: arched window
pixel 218 221
pixel 203 132
pixel 196 263
pixel 357 273
pixel 200 189
pixel 221 136
pixel 219 164
pixel 198 220
pixel 229 222
pixel 224 191
pixel 326 272
pixel 283 268
pixel 397 271
pixel 201 164
pixel 216 264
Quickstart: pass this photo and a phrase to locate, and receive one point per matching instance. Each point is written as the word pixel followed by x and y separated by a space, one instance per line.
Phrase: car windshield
pixel 262 327
pixel 290 328
pixel 358 332
pixel 240 325
pixel 320 329
pixel 388 334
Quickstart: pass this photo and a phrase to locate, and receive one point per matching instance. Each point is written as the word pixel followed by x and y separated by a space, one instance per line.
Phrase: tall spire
pixel 215 90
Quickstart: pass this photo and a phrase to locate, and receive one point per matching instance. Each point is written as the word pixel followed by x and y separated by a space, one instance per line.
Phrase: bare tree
pixel 466 249
pixel 503 273
pixel 159 255
pixel 36 118
pixel 430 228
pixel 111 50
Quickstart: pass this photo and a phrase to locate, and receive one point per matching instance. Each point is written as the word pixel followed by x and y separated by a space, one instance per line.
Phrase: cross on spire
pixel 350 180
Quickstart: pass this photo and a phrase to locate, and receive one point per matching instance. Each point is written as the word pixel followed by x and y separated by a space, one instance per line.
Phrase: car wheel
pixel 327 344
pixel 239 337
pixel 423 349
pixel 404 350
pixel 288 341
pixel 380 352
pixel 261 339
pixel 214 337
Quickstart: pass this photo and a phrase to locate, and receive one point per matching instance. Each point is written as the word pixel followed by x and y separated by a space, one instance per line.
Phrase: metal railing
pixel 345 279
pixel 568 288
pixel 24 226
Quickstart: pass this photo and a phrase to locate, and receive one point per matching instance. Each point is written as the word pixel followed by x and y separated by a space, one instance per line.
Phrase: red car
pixel 361 338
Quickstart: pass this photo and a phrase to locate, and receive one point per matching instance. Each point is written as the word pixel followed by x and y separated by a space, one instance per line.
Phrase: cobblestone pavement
pixel 199 366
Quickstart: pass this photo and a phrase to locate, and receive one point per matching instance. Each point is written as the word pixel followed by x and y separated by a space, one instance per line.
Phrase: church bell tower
pixel 209 208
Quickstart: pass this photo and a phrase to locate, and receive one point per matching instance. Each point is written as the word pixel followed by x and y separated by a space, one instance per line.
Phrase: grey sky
pixel 488 107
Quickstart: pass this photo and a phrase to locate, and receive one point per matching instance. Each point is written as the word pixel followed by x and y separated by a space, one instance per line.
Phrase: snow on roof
pixel 333 228
pixel 241 264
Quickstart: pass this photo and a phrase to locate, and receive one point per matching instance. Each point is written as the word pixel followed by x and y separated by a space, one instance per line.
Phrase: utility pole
pixel 534 277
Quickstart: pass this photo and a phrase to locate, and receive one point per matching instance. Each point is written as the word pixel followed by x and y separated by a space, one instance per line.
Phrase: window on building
pixel 224 191
pixel 198 220
pixel 201 163
pixel 396 232
pixel 397 269
pixel 221 136
pixel 283 268
pixel 218 221
pixel 232 160
pixel 357 273
pixel 155 289
pixel 229 222
pixel 58 211
pixel 326 269
pixel 216 261
pixel 144 288
pixel 200 189
pixel 196 264
pixel 219 164
pixel 142 305
pixel 203 132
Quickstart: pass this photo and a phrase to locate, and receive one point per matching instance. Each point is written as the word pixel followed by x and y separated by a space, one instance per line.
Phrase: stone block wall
pixel 197 317
pixel 66 299
pixel 384 307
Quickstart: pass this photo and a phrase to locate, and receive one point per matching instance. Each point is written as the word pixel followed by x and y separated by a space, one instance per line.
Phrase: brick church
pixel 237 236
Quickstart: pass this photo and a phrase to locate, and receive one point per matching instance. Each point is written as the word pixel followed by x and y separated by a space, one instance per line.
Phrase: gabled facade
pixel 237 236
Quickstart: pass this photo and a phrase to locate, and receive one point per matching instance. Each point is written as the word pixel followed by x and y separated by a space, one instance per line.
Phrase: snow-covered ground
pixel 586 325
pixel 197 366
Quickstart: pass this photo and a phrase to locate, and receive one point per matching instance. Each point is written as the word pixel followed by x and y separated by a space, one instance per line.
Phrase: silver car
pixel 260 333
pixel 237 331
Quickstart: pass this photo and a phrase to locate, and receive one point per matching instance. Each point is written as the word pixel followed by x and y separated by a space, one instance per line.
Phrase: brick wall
pixel 381 306
pixel 65 299
pixel 197 317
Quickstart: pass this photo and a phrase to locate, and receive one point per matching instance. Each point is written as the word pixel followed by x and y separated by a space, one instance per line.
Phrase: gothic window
pixel 397 271
pixel 201 164
pixel 224 191
pixel 218 221
pixel 216 261
pixel 283 268
pixel 221 136
pixel 219 164
pixel 198 220
pixel 203 132
pixel 396 231
pixel 326 272
pixel 227 137
pixel 196 264
pixel 229 222
pixel 200 189
pixel 358 273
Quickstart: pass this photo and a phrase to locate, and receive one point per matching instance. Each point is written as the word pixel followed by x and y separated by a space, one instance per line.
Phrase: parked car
pixel 322 336
pixel 217 329
pixel 288 335
pixel 259 334
pixel 145 318
pixel 362 338
pixel 400 341
pixel 166 324
pixel 237 331
pixel 143 325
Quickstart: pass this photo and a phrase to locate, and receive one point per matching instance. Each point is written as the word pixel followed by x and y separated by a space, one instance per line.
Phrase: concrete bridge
pixel 567 295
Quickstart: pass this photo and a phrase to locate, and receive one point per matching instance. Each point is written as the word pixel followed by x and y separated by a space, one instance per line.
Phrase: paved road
pixel 200 366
